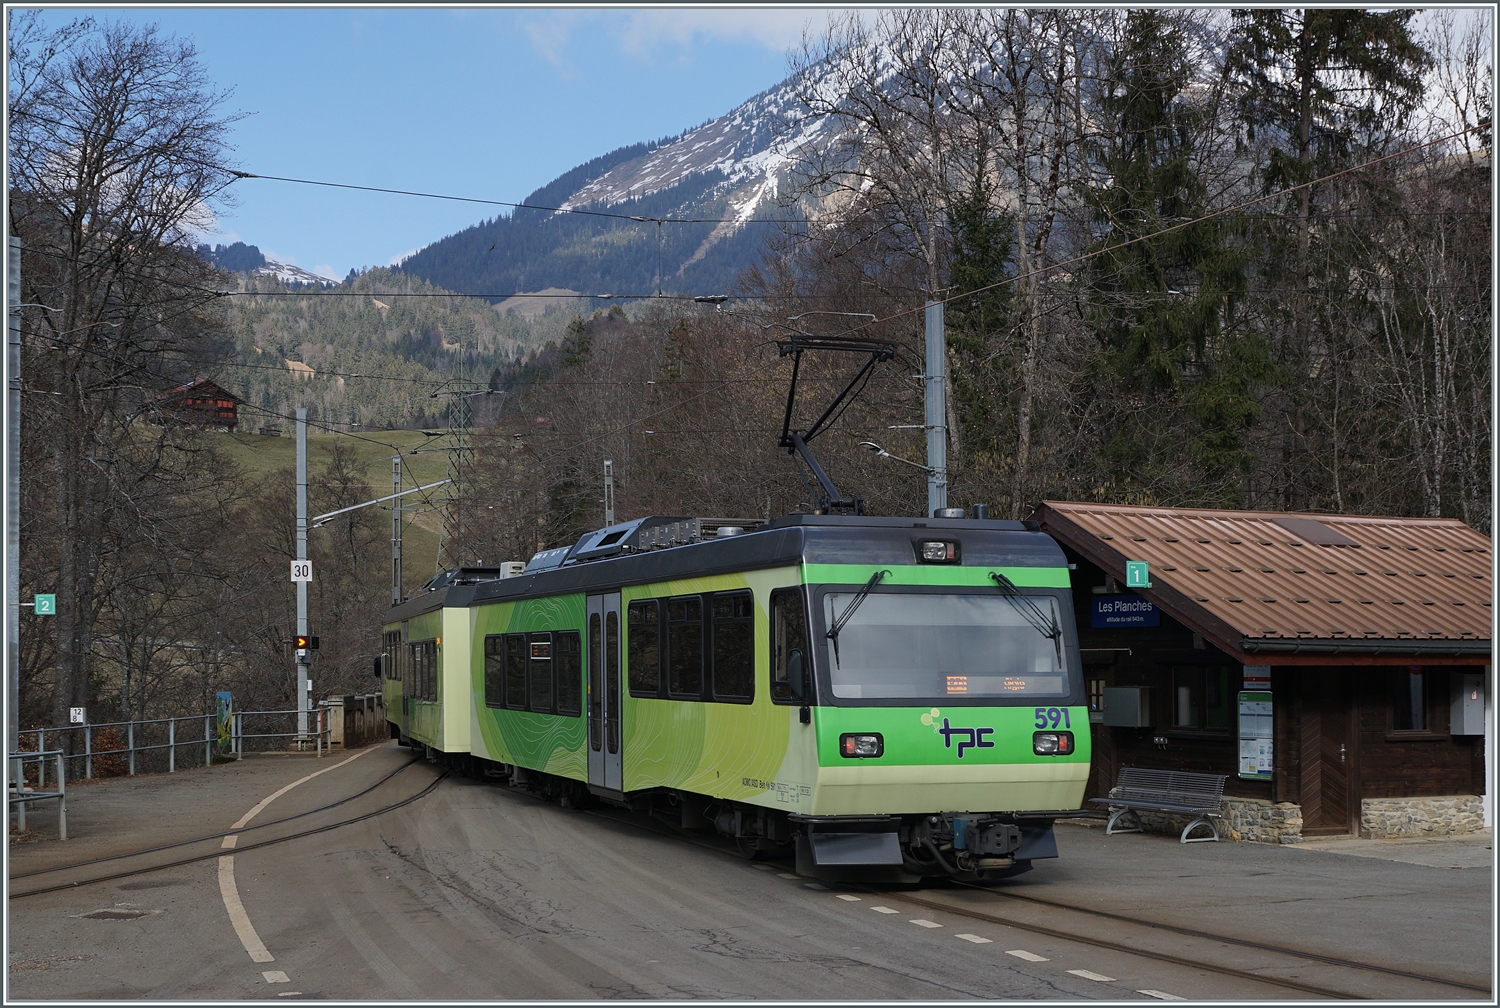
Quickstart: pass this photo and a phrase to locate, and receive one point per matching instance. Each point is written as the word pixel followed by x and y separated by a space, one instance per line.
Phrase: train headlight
pixel 938 551
pixel 867 745
pixel 1052 743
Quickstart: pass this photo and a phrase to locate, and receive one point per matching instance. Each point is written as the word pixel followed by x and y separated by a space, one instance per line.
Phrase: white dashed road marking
pixel 919 922
pixel 787 875
pixel 276 976
pixel 1028 956
pixel 1090 975
pixel 846 896
pixel 884 910
pixel 814 885
pixel 762 867
pixel 1161 995
pixel 230 892
pixel 973 938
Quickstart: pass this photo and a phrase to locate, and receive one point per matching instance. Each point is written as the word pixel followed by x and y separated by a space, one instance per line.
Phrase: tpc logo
pixel 975 738
pixel 969 738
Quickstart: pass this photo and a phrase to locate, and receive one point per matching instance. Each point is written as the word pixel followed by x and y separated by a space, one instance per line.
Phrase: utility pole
pixel 396 531
pixel 13 498
pixel 609 493
pixel 302 695
pixel 937 411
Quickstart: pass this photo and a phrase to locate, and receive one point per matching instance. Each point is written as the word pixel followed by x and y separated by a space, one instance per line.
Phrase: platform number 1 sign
pixel 301 570
pixel 1137 574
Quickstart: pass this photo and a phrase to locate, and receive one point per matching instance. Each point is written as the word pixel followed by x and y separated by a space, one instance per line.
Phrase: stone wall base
pixel 1442 815
pixel 1251 819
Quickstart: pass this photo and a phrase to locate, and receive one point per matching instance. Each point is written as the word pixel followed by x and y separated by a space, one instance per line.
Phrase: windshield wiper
pixel 838 624
pixel 1043 623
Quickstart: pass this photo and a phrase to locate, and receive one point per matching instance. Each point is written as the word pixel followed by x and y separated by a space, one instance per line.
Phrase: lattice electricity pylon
pixel 453 548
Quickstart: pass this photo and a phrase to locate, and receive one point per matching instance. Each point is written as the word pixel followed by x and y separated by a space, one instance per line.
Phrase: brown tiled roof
pixel 1267 576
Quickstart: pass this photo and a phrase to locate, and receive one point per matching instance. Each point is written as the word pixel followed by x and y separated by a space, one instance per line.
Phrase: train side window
pixel 685 647
pixel 788 633
pixel 596 684
pixel 567 671
pixel 540 652
pixel 423 655
pixel 515 671
pixel 392 652
pixel 734 646
pixel 643 653
pixel 494 670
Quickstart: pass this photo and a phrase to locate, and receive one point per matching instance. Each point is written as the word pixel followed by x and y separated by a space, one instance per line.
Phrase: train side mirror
pixel 796 674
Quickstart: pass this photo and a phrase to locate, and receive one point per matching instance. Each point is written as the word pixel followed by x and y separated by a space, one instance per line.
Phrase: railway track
pixel 146 869
pixel 1137 944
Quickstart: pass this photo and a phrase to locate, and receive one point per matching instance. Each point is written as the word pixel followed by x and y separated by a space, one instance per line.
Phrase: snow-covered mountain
pixel 248 259
pixel 291 274
pixel 730 170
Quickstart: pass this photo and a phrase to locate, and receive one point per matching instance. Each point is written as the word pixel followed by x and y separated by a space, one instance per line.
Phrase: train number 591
pixel 1053 717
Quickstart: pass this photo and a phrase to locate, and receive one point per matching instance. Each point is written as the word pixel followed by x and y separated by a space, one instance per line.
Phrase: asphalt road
pixel 475 892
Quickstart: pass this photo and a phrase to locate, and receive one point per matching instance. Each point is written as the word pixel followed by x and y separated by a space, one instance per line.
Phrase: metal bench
pixel 1198 795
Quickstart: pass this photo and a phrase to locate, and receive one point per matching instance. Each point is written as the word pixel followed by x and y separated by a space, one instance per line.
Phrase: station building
pixel 1336 668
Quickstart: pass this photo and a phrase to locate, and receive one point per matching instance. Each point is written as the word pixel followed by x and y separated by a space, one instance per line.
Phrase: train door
pixel 402 657
pixel 604 691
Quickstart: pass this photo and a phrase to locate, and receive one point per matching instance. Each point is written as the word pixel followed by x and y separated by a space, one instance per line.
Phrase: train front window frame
pixel 1048 671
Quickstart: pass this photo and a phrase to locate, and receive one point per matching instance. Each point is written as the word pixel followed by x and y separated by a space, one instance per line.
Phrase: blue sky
pixel 492 103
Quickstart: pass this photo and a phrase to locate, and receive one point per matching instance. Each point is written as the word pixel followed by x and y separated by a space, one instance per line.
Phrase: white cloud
pixel 397 260
pixel 283 259
pixel 550 33
pixel 776 29
pixel 327 271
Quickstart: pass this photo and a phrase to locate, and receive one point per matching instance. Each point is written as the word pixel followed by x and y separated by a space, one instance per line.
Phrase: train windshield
pixel 942 647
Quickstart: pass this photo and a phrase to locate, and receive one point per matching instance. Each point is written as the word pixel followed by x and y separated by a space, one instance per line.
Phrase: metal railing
pixel 21 796
pixel 159 745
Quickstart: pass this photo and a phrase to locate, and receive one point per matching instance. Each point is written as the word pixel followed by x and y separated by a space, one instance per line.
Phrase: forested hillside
pixel 372 351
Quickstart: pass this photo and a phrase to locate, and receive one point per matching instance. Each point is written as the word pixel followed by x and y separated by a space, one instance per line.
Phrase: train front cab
pixel 948 718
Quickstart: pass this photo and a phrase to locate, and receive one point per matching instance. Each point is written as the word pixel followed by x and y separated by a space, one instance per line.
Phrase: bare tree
pixel 116 154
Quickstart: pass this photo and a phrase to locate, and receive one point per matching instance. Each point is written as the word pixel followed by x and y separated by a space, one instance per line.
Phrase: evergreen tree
pixel 1159 303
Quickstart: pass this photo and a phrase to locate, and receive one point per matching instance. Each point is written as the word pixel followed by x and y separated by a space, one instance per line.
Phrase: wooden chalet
pixel 200 403
pixel 1335 667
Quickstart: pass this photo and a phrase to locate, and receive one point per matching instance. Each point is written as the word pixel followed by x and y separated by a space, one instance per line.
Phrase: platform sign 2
pixel 44 605
pixel 1255 735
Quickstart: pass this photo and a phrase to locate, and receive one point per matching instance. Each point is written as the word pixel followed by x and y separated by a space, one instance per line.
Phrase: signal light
pixel 1052 743
pixel 938 551
pixel 306 643
pixel 861 746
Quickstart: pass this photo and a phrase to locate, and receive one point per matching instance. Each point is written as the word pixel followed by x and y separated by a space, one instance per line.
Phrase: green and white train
pixel 896 698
